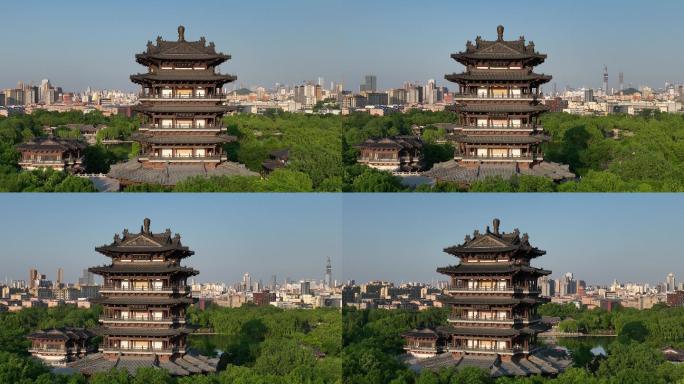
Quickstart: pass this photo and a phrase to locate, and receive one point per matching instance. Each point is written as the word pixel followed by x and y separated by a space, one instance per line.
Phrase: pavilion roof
pixel 52 144
pixel 501 107
pixel 144 241
pixel 495 241
pixel 183 76
pixel 425 333
pixel 498 75
pixel 181 50
pixel 64 333
pixel 146 267
pixel 494 268
pixel 184 108
pixel 500 49
pixel 396 142
pixel 142 300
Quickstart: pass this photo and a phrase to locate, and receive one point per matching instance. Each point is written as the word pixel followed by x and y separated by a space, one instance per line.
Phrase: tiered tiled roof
pixel 165 50
pixel 499 49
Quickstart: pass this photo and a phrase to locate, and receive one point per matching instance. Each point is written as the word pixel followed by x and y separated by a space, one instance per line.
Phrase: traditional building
pixel 394 154
pixel 499 110
pixel 422 343
pixel 182 102
pixel 276 160
pixel 493 297
pixel 145 296
pixel 58 346
pixel 52 152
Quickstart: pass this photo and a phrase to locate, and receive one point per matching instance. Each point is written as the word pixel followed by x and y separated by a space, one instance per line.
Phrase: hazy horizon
pixel 289 235
pixel 598 237
pixel 78 44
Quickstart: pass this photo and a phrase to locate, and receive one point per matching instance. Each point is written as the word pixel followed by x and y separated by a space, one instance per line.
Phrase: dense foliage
pixel 313 142
pixel 261 344
pixel 372 342
pixel 18 129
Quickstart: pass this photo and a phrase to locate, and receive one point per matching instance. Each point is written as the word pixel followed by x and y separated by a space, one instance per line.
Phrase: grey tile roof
pixel 171 174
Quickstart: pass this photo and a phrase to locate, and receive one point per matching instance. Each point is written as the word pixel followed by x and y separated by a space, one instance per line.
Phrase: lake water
pixel 598 345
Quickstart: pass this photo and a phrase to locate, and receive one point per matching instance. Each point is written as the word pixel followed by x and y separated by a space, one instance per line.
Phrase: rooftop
pixel 493 240
pixel 145 241
pixel 180 50
pixel 499 49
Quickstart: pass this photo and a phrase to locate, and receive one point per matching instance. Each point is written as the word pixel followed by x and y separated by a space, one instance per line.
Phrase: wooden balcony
pixel 187 159
pixel 149 320
pixel 163 289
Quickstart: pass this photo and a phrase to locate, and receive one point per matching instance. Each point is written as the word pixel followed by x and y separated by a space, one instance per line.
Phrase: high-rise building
pixel 145 296
pixel 430 93
pixel 182 108
pixel 588 95
pixel 605 80
pixel 87 278
pixel 370 84
pixel 305 287
pixel 670 284
pixel 246 282
pixel 33 278
pixel 60 277
pixel 328 274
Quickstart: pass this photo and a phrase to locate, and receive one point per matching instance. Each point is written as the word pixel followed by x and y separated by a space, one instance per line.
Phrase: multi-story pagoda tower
pixel 182 104
pixel 498 105
pixel 493 295
pixel 144 297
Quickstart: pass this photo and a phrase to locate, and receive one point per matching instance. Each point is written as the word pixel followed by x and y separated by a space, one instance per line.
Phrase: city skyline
pixel 303 233
pixel 597 237
pixel 308 40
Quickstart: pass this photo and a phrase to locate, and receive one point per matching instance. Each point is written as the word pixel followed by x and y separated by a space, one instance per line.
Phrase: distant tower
pixel 670 283
pixel 622 82
pixel 60 277
pixel 605 79
pixel 246 282
pixel 33 276
pixel 328 274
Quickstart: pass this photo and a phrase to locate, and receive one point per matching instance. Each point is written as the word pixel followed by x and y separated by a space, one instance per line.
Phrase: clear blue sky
pixel 599 237
pixel 80 43
pixel 287 235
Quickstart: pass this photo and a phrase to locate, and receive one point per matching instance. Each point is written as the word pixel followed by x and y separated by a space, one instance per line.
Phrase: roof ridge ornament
pixel 499 32
pixel 146 226
pixel 181 33
pixel 496 223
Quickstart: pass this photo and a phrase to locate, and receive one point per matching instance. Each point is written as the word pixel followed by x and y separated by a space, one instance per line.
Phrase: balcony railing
pixel 507 126
pixel 165 319
pixel 146 350
pixel 69 160
pixel 211 158
pixel 492 96
pixel 181 127
pixel 53 350
pixel 463 348
pixel 381 160
pixel 167 288
pixel 494 320
pixel 507 288
pixel 424 349
pixel 180 97
pixel 499 158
